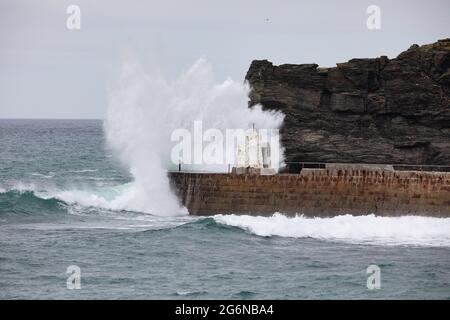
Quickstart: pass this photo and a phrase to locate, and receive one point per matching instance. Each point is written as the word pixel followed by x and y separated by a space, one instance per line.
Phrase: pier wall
pixel 316 192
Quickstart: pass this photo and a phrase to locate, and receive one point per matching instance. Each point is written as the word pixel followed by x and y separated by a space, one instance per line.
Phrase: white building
pixel 254 152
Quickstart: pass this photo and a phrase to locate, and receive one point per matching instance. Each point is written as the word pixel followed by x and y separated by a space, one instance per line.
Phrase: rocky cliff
pixel 365 110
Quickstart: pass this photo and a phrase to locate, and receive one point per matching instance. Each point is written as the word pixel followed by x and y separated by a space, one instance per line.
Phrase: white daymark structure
pixel 253 152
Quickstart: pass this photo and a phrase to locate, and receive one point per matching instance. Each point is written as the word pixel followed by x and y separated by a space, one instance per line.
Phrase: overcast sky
pixel 49 71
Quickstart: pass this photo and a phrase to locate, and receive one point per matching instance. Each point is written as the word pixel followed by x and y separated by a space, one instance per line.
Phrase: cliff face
pixel 365 110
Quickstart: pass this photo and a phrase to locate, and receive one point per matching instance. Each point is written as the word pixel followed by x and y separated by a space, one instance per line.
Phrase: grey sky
pixel 48 71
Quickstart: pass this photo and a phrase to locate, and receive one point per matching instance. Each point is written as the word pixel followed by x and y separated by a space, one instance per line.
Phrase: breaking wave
pixel 370 229
pixel 115 198
pixel 27 202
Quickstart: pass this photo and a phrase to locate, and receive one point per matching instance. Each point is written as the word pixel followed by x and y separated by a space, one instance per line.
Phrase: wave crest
pixel 26 201
pixel 117 198
pixel 369 229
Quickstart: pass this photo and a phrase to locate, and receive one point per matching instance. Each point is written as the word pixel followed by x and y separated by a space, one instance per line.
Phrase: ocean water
pixel 63 202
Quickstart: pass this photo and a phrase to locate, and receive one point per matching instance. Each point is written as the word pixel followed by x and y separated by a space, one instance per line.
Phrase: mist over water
pixel 145 108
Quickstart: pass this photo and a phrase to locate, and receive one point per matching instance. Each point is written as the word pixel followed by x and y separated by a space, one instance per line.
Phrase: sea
pixel 68 231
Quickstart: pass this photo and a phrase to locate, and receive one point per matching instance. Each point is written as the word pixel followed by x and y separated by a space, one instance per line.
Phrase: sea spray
pixel 143 111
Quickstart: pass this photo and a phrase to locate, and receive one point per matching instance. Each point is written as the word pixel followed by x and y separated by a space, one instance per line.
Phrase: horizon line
pixel 52 118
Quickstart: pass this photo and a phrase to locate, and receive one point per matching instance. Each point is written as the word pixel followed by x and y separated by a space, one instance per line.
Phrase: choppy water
pixel 61 204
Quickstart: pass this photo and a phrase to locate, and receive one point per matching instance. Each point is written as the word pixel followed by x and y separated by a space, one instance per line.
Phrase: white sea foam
pixel 122 197
pixel 118 197
pixel 370 229
pixel 21 187
pixel 143 111
pixel 46 176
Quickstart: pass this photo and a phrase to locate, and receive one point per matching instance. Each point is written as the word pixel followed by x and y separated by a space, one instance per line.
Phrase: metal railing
pixel 213 169
pixel 295 167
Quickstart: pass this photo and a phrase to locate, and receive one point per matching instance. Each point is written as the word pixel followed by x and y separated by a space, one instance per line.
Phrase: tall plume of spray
pixel 143 111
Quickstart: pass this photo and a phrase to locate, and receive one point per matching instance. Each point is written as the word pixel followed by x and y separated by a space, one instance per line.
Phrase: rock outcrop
pixel 363 111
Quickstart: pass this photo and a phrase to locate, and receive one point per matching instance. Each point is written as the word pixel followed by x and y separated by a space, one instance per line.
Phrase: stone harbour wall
pixel 316 192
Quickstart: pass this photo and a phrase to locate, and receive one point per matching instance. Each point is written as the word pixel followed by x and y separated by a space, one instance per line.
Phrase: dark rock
pixel 365 110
